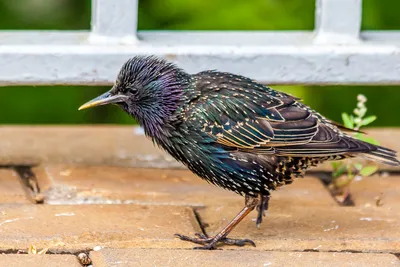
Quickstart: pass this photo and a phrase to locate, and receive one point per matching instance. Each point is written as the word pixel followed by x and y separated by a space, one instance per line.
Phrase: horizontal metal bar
pixel 270 57
pixel 338 21
pixel 114 21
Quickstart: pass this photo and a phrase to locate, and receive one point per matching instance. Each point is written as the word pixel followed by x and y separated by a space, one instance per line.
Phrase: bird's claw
pixel 211 242
pixel 237 242
pixel 201 235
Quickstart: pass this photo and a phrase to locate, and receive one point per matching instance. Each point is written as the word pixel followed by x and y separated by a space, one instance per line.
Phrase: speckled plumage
pixel 232 131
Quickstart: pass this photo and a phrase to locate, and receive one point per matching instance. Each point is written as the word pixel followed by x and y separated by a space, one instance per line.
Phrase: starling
pixel 231 131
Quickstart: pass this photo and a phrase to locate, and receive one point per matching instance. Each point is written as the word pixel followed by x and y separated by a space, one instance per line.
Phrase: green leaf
pixel 347 121
pixel 358 166
pixel 368 170
pixel 339 171
pixel 358 136
pixel 365 138
pixel 335 164
pixel 368 120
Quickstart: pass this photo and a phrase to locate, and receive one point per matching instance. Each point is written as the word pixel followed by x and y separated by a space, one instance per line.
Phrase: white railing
pixel 335 53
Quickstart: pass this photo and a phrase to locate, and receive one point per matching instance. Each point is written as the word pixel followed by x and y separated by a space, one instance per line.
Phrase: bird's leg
pixel 262 207
pixel 211 242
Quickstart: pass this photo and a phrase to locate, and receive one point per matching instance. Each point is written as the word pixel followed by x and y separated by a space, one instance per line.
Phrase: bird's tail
pixel 383 155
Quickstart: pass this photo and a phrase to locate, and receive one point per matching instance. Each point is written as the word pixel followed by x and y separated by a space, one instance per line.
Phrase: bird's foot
pixel 212 242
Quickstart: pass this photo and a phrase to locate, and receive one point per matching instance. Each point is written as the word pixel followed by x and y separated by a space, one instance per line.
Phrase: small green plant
pixel 344 172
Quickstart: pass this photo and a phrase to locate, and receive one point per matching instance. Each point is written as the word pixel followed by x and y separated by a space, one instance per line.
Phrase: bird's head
pixel 148 88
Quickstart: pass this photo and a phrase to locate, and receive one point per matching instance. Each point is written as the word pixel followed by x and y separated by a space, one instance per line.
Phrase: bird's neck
pixel 155 126
pixel 161 121
pixel 161 118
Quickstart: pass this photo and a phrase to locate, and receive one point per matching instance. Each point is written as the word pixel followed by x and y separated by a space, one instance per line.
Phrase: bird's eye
pixel 132 90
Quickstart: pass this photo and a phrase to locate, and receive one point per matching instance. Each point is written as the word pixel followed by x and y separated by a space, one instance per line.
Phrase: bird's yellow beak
pixel 104 99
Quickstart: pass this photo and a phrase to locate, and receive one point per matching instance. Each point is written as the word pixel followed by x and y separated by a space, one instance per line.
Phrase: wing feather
pixel 247 116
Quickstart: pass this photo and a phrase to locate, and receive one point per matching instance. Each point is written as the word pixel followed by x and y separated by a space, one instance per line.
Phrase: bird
pixel 231 131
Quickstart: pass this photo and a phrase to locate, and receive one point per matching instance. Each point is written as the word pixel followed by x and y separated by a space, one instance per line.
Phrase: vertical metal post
pixel 338 21
pixel 114 21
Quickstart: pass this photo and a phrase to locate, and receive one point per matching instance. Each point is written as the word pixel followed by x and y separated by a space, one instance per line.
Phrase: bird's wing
pixel 275 127
pixel 242 114
pixel 262 131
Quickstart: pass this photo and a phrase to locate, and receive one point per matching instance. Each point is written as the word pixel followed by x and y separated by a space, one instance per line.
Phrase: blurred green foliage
pixel 58 104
